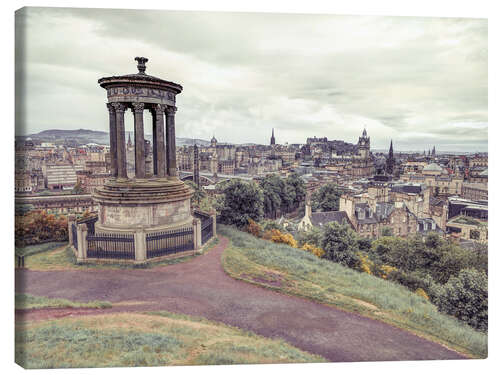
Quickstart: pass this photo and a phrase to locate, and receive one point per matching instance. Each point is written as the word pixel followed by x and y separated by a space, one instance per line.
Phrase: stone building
pixel 60 176
pixel 362 162
pixel 320 219
pixel 475 191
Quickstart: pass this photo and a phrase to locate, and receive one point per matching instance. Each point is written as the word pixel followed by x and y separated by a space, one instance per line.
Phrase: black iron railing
pixel 110 246
pixel 207 231
pixel 169 242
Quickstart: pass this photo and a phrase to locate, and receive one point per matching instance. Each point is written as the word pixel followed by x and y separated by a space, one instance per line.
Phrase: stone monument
pixel 154 201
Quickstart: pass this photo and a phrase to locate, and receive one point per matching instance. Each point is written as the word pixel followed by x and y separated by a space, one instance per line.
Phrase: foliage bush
pixel 284 238
pixel 465 296
pixel 241 201
pixel 420 292
pixel 313 250
pixel 327 198
pixel 254 228
pixel 38 226
pixel 340 244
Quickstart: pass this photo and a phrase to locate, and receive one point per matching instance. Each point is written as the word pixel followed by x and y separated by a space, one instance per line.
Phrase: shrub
pixel 285 238
pixel 385 270
pixel 466 297
pixel 254 228
pixel 365 264
pixel 420 292
pixel 319 252
pixel 38 226
pixel 340 244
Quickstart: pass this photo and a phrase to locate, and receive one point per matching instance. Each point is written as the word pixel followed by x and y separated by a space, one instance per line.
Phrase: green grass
pixel 35 249
pixel 135 339
pixel 297 272
pixel 57 256
pixel 28 301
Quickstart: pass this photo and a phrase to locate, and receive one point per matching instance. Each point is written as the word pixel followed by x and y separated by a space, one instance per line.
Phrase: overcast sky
pixel 418 81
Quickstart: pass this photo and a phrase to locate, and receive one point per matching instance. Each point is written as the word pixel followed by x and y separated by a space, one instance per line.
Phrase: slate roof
pixel 319 219
pixel 436 201
pixel 407 189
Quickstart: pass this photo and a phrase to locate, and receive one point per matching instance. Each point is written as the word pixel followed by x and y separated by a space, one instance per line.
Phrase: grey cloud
pixel 298 73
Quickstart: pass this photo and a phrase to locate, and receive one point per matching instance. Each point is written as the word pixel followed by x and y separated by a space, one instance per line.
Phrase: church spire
pixel 273 140
pixel 389 167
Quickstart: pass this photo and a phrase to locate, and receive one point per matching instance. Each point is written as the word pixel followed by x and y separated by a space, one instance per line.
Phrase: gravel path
pixel 201 287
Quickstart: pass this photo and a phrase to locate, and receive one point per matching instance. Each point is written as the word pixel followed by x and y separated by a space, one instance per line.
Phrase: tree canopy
pixel 327 198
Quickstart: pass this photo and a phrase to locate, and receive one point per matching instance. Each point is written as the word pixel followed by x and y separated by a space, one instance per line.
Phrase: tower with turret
pixel 364 146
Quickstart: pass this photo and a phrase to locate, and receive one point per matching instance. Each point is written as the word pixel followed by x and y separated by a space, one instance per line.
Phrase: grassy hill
pixel 297 272
pixel 145 339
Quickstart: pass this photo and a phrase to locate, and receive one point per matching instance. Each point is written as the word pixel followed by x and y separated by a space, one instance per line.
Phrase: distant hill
pixel 80 136
pixel 84 136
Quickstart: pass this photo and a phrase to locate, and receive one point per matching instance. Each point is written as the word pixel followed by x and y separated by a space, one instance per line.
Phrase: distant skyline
pixel 422 82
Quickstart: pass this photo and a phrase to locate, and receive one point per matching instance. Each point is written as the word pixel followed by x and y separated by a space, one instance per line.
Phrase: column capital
pixel 171 109
pixel 159 107
pixel 110 106
pixel 137 107
pixel 119 107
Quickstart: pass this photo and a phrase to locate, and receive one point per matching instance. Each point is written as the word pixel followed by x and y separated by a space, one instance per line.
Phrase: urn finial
pixel 141 64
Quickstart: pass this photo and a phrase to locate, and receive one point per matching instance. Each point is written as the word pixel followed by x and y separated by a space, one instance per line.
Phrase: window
pixel 474 234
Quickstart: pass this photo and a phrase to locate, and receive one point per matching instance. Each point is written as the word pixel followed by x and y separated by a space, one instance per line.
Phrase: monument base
pixel 159 204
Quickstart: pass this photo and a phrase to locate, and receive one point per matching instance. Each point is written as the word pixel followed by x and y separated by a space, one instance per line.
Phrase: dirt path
pixel 201 287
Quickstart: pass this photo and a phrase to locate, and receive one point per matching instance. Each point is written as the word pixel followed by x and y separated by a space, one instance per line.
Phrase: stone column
pixel 160 139
pixel 71 221
pixel 154 153
pixel 196 233
pixel 140 157
pixel 171 151
pixel 213 215
pixel 112 139
pixel 140 245
pixel 120 140
pixel 82 242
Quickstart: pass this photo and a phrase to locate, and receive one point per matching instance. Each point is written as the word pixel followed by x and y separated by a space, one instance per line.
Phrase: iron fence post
pixel 140 245
pixel 196 233
pixel 213 214
pixel 82 242
pixel 71 220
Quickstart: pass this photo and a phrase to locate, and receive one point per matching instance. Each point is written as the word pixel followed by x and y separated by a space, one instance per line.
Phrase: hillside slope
pixel 296 272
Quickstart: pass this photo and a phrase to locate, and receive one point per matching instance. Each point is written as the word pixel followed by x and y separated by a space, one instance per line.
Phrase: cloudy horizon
pixel 421 82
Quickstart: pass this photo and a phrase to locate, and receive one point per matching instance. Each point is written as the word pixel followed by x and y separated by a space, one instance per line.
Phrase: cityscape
pixel 244 197
pixel 441 192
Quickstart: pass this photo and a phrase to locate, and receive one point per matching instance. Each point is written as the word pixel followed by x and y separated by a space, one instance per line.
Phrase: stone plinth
pixel 150 204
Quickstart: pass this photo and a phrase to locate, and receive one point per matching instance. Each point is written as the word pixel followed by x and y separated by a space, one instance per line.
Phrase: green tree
pixel 312 236
pixel 340 244
pixel 465 296
pixel 326 198
pixel 198 193
pixel 241 201
pixel 273 190
pixel 299 187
